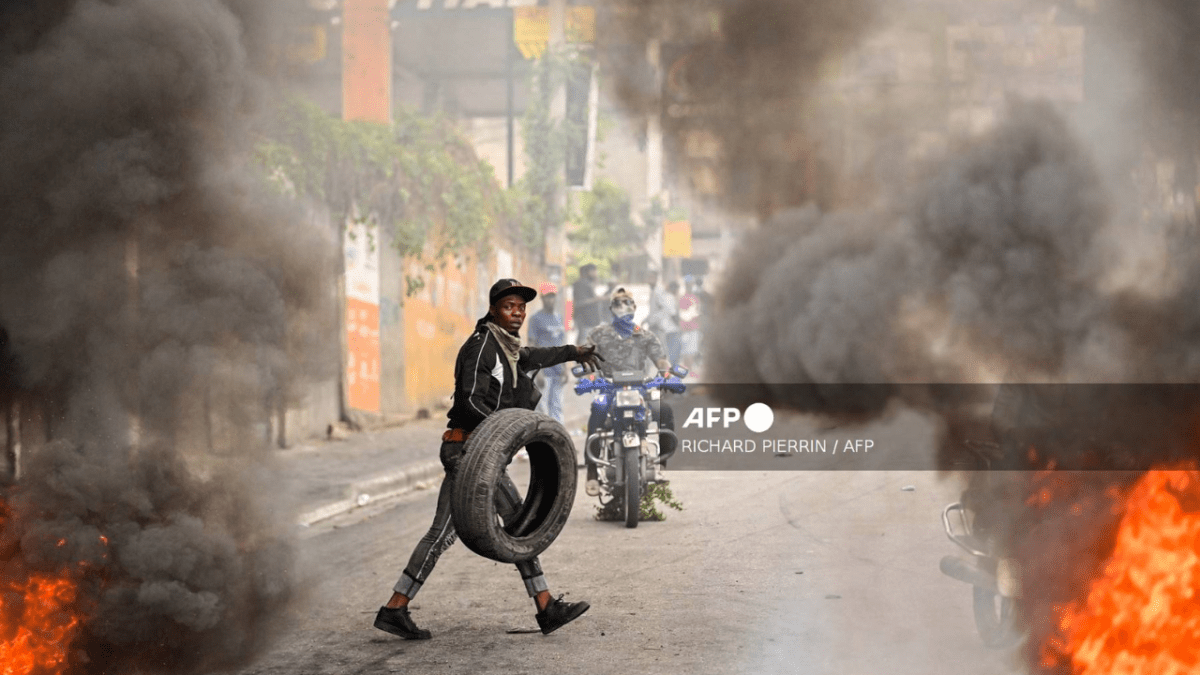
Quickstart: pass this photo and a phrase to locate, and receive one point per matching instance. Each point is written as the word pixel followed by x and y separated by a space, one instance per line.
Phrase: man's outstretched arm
pixel 541 357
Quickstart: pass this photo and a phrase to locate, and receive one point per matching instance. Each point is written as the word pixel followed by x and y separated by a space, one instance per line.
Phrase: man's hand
pixel 588 357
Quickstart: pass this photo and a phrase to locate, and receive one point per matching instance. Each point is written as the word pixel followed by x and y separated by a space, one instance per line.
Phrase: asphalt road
pixel 823 573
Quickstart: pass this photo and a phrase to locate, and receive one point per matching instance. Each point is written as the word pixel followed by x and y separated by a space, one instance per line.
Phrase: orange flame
pixel 1142 613
pixel 45 625
pixel 39 619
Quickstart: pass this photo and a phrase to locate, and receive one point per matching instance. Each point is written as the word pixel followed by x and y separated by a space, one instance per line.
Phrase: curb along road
pixel 375 489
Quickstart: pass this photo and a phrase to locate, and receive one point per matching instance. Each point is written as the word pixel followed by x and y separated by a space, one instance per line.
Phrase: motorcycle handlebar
pixel 672 384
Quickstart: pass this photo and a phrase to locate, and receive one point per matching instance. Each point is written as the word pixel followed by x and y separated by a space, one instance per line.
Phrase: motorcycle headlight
pixel 629 398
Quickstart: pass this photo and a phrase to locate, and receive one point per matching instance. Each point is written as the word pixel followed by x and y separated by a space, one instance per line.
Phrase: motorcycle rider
pixel 626 347
pixel 491 373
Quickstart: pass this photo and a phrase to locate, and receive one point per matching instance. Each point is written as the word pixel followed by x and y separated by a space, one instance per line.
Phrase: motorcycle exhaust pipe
pixel 589 446
pixel 666 432
pixel 957 568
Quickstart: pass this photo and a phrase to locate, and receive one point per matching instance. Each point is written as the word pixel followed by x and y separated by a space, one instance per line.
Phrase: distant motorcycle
pixel 626 450
pixel 994 577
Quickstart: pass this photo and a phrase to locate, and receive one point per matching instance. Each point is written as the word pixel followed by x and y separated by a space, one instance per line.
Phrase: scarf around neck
pixel 624 325
pixel 509 344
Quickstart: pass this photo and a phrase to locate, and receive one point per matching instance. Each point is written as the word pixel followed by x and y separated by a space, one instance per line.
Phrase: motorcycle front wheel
pixel 633 487
pixel 995 619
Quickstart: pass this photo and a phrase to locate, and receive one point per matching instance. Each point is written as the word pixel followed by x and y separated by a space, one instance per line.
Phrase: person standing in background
pixel 707 303
pixel 586 312
pixel 661 320
pixel 546 330
pixel 689 326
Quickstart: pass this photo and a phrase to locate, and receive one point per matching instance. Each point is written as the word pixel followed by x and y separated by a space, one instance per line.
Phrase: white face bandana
pixel 622 307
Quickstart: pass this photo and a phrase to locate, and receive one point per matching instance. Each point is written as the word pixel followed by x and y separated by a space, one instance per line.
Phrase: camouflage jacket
pixel 629 353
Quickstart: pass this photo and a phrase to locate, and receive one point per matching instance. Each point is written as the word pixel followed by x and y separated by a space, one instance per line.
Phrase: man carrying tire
pixel 490 374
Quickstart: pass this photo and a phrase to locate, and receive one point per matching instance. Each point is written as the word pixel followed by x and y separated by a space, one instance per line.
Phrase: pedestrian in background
pixel 707 303
pixel 546 329
pixel 586 313
pixel 661 320
pixel 689 325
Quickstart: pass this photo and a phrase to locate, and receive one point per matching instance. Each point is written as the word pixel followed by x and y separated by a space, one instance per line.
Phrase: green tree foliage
pixel 417 177
pixel 647 510
pixel 604 227
pixel 540 190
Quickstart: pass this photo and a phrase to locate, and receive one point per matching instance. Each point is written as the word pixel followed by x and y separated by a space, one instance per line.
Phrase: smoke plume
pixel 739 72
pixel 153 291
pixel 996 259
pixel 1013 256
pixel 1163 36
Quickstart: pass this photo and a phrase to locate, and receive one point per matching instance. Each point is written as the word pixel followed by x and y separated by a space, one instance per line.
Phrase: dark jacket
pixel 586 311
pixel 483 381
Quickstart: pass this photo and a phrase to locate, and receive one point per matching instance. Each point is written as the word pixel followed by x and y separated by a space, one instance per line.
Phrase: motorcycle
pixel 626 449
pixel 994 578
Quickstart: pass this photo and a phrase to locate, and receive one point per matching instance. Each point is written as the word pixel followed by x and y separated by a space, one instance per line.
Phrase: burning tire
pixel 547 503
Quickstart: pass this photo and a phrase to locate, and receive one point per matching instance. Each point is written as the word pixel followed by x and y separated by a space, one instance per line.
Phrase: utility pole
pixel 558 112
pixel 654 148
pixel 133 319
pixel 366 95
pixel 12 445
pixel 509 75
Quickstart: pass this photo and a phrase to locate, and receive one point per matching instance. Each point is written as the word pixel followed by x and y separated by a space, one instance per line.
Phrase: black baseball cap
pixel 510 287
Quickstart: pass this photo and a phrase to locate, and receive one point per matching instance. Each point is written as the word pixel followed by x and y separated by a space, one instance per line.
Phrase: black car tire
pixel 547 503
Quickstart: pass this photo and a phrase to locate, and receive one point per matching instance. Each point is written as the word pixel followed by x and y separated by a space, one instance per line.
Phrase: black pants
pixel 666 420
pixel 441 534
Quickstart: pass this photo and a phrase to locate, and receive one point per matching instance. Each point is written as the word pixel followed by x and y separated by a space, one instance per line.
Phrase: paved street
pixel 815 572
pixel 762 572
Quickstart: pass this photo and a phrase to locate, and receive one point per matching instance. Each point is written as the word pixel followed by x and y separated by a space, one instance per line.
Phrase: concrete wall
pixel 489 136
pixel 392 331
pixel 321 406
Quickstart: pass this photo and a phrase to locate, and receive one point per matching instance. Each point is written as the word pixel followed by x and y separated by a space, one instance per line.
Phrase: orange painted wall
pixel 438 319
pixel 436 322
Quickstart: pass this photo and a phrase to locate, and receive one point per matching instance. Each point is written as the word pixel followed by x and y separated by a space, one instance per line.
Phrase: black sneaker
pixel 558 614
pixel 397 622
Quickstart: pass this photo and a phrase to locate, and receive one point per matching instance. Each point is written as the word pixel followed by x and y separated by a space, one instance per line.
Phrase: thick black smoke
pixel 996 259
pixel 1008 260
pixel 1163 35
pixel 1002 264
pixel 741 71
pixel 152 291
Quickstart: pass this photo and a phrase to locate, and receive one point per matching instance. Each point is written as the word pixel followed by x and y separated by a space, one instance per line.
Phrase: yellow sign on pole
pixel 677 239
pixel 531 28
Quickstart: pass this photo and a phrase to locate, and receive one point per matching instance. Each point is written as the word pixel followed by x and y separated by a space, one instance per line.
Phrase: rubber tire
pixel 547 503
pixel 998 630
pixel 633 486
